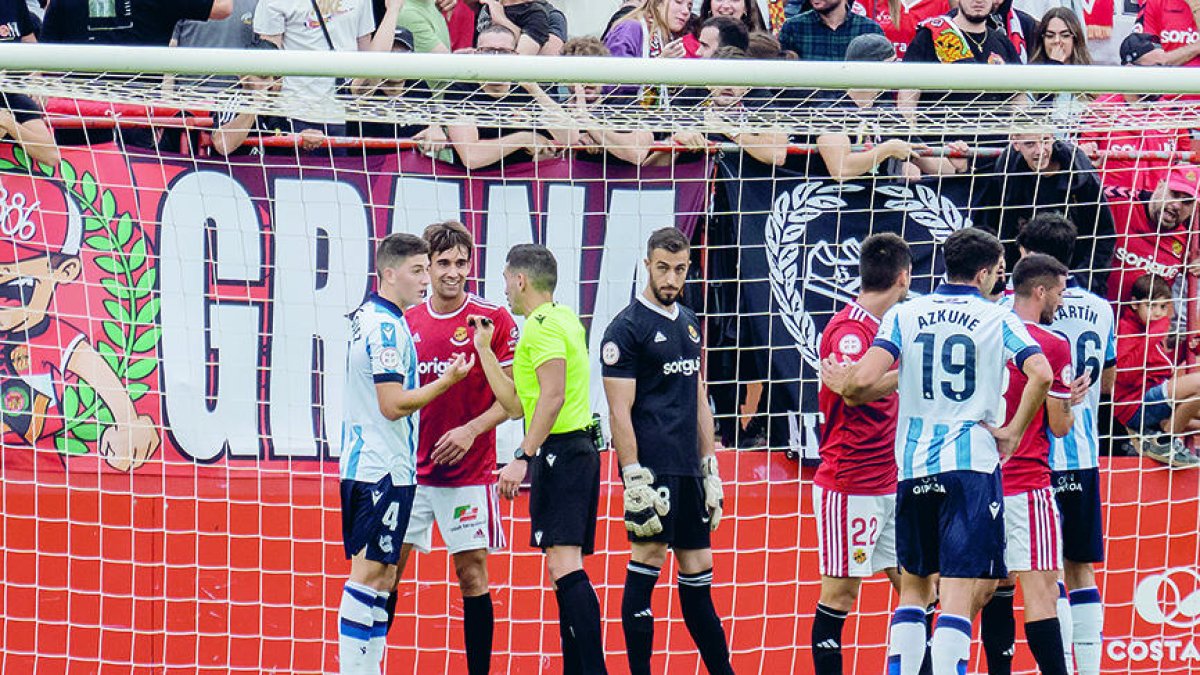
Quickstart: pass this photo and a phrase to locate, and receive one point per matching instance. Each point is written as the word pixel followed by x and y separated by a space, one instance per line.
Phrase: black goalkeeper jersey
pixel 662 353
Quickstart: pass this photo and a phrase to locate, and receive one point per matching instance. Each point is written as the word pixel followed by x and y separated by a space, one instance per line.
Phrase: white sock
pixel 356 620
pixel 1087 625
pixel 1063 609
pixel 951 645
pixel 906 647
pixel 379 626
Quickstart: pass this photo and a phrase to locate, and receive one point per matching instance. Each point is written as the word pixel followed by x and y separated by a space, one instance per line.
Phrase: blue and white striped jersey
pixel 381 350
pixel 1086 320
pixel 952 346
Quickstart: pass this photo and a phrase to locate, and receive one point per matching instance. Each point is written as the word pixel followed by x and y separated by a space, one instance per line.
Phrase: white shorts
pixel 468 518
pixel 1031 526
pixel 856 534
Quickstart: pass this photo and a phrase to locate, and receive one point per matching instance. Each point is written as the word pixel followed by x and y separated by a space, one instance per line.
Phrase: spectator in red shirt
pixel 1153 233
pixel 899 20
pixel 1155 406
pixel 1173 22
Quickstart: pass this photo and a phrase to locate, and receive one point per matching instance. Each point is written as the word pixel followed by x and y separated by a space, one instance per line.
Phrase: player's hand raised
pixel 714 492
pixel 483 332
pixel 459 368
pixel 643 502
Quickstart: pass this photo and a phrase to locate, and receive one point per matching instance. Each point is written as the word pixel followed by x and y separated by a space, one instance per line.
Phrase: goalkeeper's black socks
pixel 636 619
pixel 579 609
pixel 827 640
pixel 700 617
pixel 478 625
pixel 998 629
pixel 1045 641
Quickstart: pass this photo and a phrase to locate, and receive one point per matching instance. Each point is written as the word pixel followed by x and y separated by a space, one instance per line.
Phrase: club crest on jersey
pixel 390 357
pixel 850 345
pixel 1177 247
pixel 460 336
pixel 1066 375
pixel 610 353
pixel 693 334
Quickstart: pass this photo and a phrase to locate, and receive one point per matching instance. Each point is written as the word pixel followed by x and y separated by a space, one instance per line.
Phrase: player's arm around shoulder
pixel 866 379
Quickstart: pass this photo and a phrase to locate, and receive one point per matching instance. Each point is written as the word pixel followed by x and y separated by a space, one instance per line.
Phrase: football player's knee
pixel 472 574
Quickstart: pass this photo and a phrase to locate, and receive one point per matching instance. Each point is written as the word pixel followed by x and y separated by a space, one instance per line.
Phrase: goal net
pixel 178 266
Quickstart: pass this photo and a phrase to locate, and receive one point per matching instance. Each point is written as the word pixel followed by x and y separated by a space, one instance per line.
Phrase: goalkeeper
pixel 662 430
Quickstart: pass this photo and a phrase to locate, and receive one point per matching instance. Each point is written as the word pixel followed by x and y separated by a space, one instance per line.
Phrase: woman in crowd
pixel 1060 39
pixel 655 29
pixel 745 11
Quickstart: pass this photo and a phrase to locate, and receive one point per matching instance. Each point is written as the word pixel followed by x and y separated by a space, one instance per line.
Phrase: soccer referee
pixel 550 389
pixel 662 429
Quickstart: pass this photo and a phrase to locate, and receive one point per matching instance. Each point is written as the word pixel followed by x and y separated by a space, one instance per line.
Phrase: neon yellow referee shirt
pixel 553 331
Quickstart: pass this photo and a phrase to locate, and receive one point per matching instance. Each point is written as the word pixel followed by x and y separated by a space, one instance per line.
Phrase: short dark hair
pixel 538 264
pixel 497 28
pixel 1150 287
pixel 1049 233
pixel 668 239
pixel 396 247
pixel 733 32
pixel 446 235
pixel 728 52
pixel 882 259
pixel 1037 269
pixel 969 250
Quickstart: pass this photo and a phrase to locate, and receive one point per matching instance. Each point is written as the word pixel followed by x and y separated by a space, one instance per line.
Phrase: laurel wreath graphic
pixel 131 332
pixel 789 218
pixel 941 216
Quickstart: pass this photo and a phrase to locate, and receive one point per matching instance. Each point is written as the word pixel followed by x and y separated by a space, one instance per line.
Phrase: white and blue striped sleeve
pixel 1018 345
pixel 889 337
pixel 384 349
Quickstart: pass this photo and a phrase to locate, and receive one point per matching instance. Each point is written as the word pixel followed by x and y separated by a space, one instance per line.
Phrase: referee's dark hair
pixel 396 247
pixel 668 239
pixel 969 250
pixel 449 234
pixel 1049 233
pixel 537 263
pixel 883 258
pixel 1037 269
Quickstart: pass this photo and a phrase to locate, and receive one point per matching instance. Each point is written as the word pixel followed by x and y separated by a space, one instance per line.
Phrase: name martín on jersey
pixel 1085 314
pixel 948 316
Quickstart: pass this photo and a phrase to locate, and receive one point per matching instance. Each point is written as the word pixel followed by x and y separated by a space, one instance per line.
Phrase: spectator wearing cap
pixel 23 122
pixel 1153 231
pixel 148 23
pixel 430 31
pixel 721 31
pixel 430 139
pixel 1173 22
pixel 823 32
pixel 530 20
pixel 1126 130
pixel 1038 174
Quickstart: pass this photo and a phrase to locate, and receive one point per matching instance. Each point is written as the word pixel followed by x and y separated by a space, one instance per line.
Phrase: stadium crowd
pixel 1116 181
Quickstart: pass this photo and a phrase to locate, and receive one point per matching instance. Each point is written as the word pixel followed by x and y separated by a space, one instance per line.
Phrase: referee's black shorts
pixel 564 492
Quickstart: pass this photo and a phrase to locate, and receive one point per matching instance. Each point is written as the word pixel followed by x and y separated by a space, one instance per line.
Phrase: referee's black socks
pixel 579 612
pixel 478 626
pixel 636 618
pixel 700 617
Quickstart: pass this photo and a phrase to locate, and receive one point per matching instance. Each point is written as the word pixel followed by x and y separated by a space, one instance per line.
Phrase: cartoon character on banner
pixel 41 355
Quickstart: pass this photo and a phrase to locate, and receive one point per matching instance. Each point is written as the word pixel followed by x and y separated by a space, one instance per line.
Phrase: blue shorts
pixel 375 517
pixel 951 524
pixel 1149 416
pixel 1078 496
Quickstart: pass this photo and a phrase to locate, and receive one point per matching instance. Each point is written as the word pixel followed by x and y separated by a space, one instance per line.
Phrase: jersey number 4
pixel 958 366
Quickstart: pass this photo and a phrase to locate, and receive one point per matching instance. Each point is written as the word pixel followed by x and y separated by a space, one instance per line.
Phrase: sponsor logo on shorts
pixel 994 507
pixel 928 485
pixel 466 513
pixel 1066 483
pixel 537 537
pixel 479 533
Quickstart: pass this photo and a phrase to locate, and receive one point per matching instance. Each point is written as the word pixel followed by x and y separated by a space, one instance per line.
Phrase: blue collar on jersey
pixel 386 304
pixel 1072 282
pixel 947 288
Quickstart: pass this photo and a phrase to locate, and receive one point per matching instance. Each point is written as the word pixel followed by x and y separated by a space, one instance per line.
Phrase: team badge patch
pixel 860 556
pixel 466 513
pixel 460 336
pixel 1177 247
pixel 390 357
pixel 693 334
pixel 610 353
pixel 850 345
pixel 1066 375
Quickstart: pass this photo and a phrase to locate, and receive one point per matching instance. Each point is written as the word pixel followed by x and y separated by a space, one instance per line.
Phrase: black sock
pixel 570 653
pixel 998 629
pixel 478 624
pixel 827 640
pixel 390 607
pixel 927 664
pixel 577 601
pixel 700 617
pixel 636 619
pixel 1045 641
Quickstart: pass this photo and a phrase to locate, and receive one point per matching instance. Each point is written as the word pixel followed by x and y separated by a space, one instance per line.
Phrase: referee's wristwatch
pixel 520 455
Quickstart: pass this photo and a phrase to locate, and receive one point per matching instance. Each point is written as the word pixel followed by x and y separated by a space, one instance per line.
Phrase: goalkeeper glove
pixel 643 503
pixel 714 494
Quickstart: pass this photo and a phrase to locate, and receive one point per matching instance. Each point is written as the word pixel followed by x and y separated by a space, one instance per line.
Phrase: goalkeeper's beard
pixel 665 296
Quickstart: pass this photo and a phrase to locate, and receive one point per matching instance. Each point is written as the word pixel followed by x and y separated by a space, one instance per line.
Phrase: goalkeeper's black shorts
pixel 564 492
pixel 686 525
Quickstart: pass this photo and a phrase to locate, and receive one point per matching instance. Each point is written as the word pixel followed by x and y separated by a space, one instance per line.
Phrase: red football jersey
pixel 1029 467
pixel 1142 363
pixel 901 30
pixel 1171 21
pixel 858 443
pixel 439 338
pixel 1141 246
pixel 1116 127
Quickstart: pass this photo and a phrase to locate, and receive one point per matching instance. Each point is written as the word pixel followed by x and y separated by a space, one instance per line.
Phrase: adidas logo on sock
pixel 644 614
pixel 828 644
